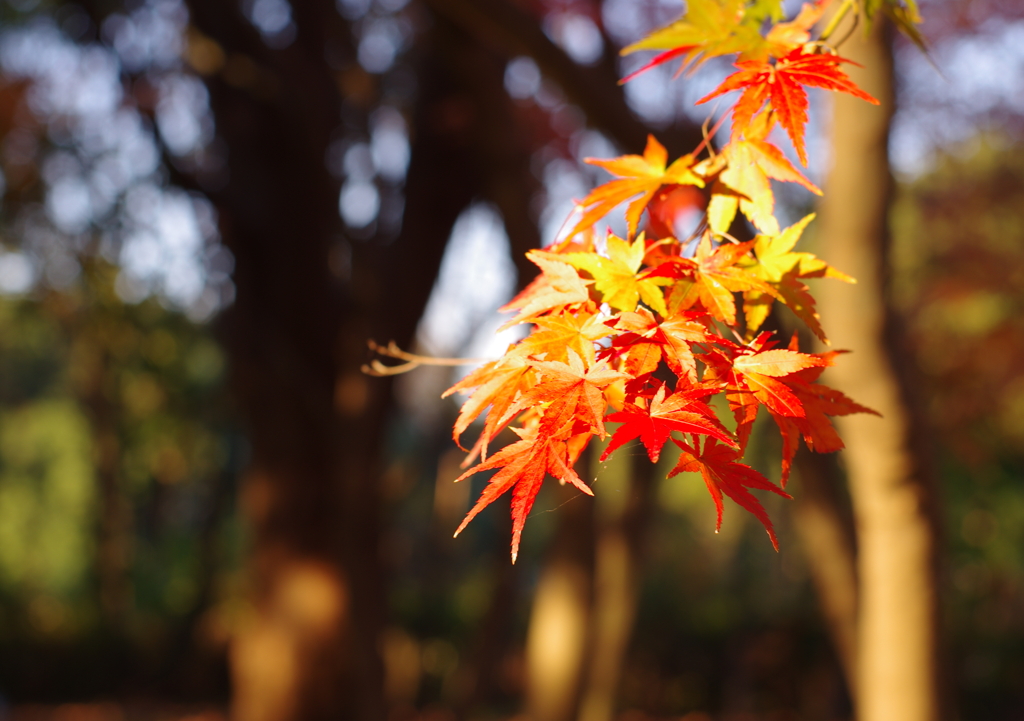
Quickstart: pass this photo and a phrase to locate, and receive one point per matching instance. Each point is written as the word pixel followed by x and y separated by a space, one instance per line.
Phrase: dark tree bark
pixel 297 333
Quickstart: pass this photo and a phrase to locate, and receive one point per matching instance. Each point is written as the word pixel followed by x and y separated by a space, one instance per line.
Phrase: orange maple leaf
pixel 555 335
pixel 523 464
pixel 819 403
pixel 646 341
pixel 496 384
pixel 744 184
pixel 713 278
pixel 751 378
pixel 615 276
pixel 572 394
pixel 779 266
pixel 557 286
pixel 710 28
pixel 782 85
pixel 638 175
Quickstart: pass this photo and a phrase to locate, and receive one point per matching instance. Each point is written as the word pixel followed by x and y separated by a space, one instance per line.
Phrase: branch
pixel 499 24
pixel 412 361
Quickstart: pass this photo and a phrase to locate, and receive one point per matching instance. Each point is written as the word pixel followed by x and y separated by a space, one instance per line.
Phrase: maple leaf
pixel 781 85
pixel 557 286
pixel 709 29
pixel 778 265
pixel 776 259
pixel 778 362
pixel 758 372
pixel 497 384
pixel 615 277
pixel 572 394
pixel 723 475
pixel 796 296
pixel 819 403
pixel 750 380
pixel 654 423
pixel 647 341
pixel 555 335
pixel 744 184
pixel 524 465
pixel 798 30
pixel 744 407
pixel 713 277
pixel 638 175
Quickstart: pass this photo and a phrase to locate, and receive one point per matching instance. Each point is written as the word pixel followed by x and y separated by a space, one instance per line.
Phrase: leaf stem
pixel 853 27
pixel 836 19
pixel 708 137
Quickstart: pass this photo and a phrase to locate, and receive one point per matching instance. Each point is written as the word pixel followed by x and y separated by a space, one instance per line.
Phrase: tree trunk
pixel 892 491
pixel 557 639
pixel 297 337
pixel 623 512
pixel 822 519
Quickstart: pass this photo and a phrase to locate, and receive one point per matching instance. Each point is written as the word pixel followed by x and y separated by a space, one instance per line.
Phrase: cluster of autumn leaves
pixel 643 331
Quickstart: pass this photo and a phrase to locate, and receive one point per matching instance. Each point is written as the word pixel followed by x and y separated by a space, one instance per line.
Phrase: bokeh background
pixel 208 511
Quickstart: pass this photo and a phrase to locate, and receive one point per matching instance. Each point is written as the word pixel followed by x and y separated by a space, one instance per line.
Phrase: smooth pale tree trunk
pixel 892 492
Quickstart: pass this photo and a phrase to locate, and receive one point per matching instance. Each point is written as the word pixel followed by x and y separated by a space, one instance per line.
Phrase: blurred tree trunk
pixel 298 330
pixel 894 498
pixel 585 604
pixel 824 522
pixel 623 512
pixel 557 639
pixel 293 656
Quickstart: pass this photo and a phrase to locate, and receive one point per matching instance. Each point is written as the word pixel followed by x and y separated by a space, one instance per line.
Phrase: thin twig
pixel 412 361
pixel 707 138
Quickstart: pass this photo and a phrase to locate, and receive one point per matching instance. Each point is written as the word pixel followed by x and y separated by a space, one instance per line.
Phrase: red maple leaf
pixel 644 341
pixel 765 376
pixel 782 85
pixel 722 474
pixel 572 394
pixel 715 277
pixel 819 402
pixel 654 423
pixel 523 464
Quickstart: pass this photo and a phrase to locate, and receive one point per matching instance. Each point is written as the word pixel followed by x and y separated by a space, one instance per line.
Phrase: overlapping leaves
pixel 636 332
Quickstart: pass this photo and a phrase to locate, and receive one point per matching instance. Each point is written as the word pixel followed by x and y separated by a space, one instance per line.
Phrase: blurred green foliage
pixel 116 465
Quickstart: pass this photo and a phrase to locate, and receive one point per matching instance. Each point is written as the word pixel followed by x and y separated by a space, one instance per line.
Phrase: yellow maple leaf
pixel 778 265
pixel 744 184
pixel 616 279
pixel 709 29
